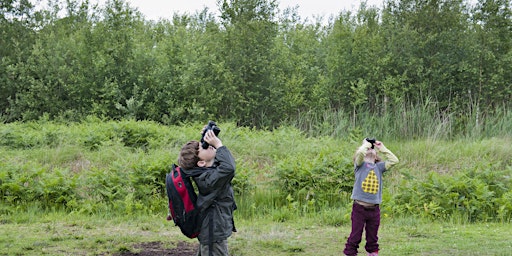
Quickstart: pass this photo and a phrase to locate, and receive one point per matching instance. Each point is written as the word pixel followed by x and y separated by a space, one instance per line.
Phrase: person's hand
pixel 367 144
pixel 202 130
pixel 212 139
pixel 378 144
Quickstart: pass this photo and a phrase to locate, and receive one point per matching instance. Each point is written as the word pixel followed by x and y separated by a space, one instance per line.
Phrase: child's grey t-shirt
pixel 368 184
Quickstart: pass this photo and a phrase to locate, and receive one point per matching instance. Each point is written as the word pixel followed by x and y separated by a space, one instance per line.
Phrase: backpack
pixel 182 202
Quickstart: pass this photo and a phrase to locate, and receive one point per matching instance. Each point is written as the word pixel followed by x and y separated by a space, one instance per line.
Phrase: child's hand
pixel 366 144
pixel 212 139
pixel 202 130
pixel 379 145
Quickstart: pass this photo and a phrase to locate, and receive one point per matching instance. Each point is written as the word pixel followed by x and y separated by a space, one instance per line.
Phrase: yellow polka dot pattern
pixel 371 183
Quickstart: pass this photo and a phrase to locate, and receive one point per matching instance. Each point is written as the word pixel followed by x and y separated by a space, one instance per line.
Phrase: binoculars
pixel 211 126
pixel 372 141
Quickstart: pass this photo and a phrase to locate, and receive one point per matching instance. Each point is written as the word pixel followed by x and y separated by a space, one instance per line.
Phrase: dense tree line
pixel 254 63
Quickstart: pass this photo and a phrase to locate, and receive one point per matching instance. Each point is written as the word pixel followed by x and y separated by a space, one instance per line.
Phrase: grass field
pixel 60 234
pixel 99 184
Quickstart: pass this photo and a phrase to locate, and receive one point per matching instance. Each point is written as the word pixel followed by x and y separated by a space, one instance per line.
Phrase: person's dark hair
pixel 189 155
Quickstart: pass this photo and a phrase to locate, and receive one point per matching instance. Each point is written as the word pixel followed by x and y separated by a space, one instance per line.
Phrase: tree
pixel 340 69
pixel 250 32
pixel 492 21
pixel 298 64
pixel 430 40
pixel 17 23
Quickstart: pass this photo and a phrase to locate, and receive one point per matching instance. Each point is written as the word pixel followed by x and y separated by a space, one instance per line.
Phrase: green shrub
pixel 119 167
pixel 16 136
pixel 473 194
pixel 504 204
pixel 135 134
pixel 321 175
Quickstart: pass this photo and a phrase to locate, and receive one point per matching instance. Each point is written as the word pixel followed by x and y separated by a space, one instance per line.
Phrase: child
pixel 215 197
pixel 367 195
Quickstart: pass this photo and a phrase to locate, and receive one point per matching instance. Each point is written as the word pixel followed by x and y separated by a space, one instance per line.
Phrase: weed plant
pixel 118 168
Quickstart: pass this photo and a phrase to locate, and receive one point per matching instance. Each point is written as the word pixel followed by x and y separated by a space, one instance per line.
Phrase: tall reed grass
pixel 409 122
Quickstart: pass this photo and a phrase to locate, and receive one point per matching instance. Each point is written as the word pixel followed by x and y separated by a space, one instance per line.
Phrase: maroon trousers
pixel 367 218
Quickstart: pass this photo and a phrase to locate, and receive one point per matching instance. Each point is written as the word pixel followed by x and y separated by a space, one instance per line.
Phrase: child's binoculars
pixel 372 141
pixel 211 126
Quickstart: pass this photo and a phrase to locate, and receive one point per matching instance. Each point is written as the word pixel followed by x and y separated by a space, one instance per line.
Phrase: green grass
pixel 116 205
pixel 61 234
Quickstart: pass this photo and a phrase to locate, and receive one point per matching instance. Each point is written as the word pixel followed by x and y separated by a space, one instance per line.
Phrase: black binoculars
pixel 372 141
pixel 211 126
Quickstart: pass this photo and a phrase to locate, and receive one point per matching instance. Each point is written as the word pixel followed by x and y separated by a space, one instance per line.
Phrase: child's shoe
pixel 375 253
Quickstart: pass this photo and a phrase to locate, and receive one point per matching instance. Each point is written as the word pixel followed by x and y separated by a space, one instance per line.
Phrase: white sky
pixel 155 9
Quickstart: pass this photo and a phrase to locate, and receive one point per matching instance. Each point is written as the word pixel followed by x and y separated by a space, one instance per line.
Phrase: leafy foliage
pixel 477 195
pixel 283 172
pixel 321 177
pixel 259 67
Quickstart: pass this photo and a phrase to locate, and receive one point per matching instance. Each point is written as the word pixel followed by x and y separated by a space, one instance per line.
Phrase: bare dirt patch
pixel 158 248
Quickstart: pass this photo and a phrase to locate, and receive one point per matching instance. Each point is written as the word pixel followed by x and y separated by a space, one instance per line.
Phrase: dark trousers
pixel 218 249
pixel 367 218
